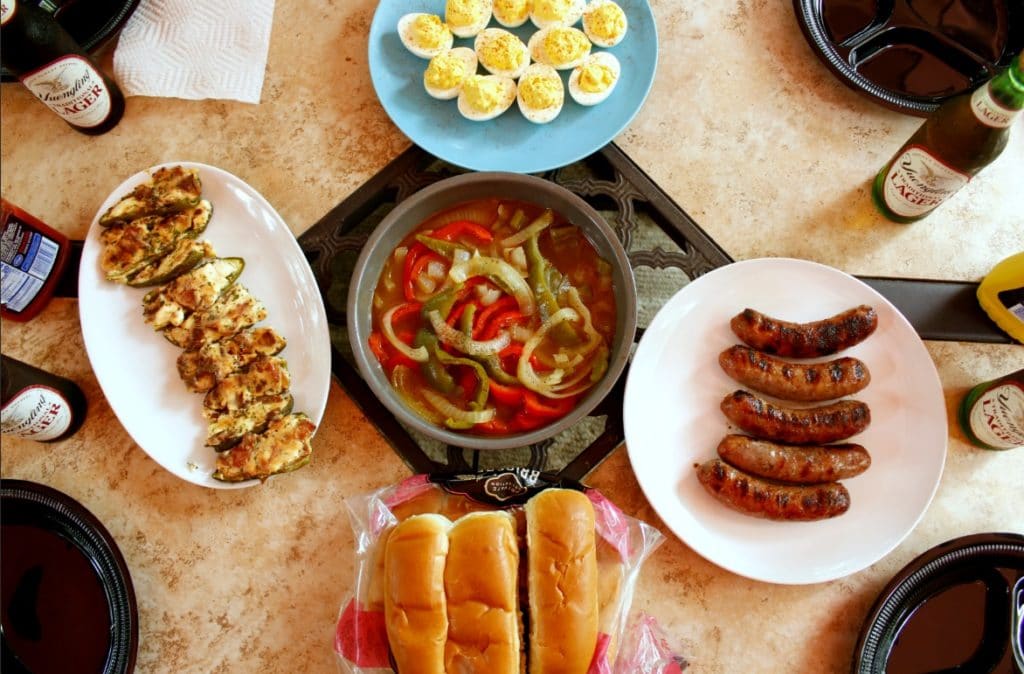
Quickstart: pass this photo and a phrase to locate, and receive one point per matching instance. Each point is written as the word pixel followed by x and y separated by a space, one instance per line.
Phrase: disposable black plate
pixel 53 513
pixel 975 624
pixel 911 55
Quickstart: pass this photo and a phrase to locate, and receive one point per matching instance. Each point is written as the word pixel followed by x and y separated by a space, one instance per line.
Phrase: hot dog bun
pixel 482 585
pixel 415 607
pixel 562 582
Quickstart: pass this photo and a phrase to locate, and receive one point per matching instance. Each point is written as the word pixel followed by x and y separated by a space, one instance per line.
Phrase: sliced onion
pixel 517 258
pixel 487 295
pixel 504 274
pixel 419 354
pixel 425 284
pixel 461 255
pixel 461 341
pixel 400 381
pixel 524 370
pixel 536 227
pixel 436 270
pixel 455 413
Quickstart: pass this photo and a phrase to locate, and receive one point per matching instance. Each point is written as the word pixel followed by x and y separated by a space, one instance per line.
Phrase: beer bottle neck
pixel 1008 86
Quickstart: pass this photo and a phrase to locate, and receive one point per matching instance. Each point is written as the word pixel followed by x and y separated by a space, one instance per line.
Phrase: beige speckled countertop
pixel 744 128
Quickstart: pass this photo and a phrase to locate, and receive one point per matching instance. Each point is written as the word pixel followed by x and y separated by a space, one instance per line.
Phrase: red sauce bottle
pixel 32 257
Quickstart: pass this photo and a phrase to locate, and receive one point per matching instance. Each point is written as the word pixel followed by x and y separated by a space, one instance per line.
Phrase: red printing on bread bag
pixel 610 523
pixel 361 636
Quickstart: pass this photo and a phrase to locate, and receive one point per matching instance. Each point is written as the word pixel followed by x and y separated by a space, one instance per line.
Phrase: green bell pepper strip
pixel 433 368
pixel 484 387
pixel 539 270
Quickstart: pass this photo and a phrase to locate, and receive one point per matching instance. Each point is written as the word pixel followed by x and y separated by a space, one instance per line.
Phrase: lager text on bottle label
pixel 73 89
pixel 991 112
pixel 997 418
pixel 917 182
pixel 37 413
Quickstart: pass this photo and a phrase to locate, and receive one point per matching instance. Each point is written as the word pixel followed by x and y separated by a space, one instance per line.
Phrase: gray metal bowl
pixel 467 187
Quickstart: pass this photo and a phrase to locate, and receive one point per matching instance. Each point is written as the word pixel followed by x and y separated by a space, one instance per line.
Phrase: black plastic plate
pixel 911 55
pixel 54 515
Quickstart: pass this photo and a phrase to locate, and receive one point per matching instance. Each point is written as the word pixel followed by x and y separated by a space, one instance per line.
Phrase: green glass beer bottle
pixel 963 136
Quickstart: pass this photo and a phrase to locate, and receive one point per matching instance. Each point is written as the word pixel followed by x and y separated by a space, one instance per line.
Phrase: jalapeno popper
pixel 151 238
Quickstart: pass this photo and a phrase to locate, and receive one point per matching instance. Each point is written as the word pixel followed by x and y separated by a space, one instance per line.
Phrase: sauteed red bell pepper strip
pixel 511 395
pixel 501 322
pixel 500 306
pixel 455 230
pixel 414 252
pixel 537 405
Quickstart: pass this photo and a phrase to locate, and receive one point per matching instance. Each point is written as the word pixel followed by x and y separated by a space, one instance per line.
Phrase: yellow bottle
pixel 1001 295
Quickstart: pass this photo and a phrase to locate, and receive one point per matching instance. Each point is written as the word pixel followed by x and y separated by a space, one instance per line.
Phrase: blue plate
pixel 509 142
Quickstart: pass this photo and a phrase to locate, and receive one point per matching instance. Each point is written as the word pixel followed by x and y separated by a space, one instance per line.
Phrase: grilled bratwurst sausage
pixel 806 382
pixel 805 340
pixel 798 426
pixel 807 464
pixel 772 500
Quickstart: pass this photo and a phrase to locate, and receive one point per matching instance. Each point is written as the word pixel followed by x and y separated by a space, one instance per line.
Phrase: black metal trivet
pixel 666 248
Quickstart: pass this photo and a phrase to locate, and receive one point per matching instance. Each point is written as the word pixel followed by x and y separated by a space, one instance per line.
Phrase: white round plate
pixel 673 420
pixel 136 367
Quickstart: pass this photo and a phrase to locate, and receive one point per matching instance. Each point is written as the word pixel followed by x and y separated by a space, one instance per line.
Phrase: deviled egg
pixel 549 12
pixel 447 71
pixel 501 53
pixel 594 80
pixel 425 35
pixel 485 97
pixel 540 93
pixel 512 13
pixel 604 22
pixel 561 47
pixel 466 18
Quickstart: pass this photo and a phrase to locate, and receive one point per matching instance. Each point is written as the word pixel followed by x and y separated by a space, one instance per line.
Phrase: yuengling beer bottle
pixel 55 68
pixel 963 136
pixel 38 405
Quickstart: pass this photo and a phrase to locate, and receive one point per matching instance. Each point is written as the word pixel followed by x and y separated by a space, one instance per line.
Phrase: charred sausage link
pixel 798 426
pixel 772 500
pixel 805 340
pixel 805 382
pixel 805 464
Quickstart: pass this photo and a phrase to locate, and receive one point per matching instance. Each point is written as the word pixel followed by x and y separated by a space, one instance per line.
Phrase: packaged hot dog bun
pixel 482 585
pixel 415 606
pixel 562 582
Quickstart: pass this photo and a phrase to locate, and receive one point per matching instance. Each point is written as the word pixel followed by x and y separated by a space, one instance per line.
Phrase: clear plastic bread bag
pixel 626 643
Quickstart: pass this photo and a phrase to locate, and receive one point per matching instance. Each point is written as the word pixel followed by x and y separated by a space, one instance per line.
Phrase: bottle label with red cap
pixel 917 182
pixel 36 413
pixel 991 112
pixel 71 87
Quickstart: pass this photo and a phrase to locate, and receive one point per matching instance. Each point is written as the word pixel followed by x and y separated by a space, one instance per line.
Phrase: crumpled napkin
pixel 195 49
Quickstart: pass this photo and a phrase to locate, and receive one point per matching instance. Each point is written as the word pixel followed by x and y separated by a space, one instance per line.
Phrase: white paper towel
pixel 195 49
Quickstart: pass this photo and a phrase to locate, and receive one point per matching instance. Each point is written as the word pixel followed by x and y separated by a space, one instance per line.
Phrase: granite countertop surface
pixel 744 128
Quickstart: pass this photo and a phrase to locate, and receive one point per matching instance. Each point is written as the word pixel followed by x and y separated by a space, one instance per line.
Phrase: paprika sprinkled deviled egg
pixel 549 12
pixel 447 71
pixel 604 22
pixel 561 47
pixel 501 53
pixel 425 35
pixel 466 18
pixel 594 80
pixel 485 97
pixel 512 13
pixel 540 93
